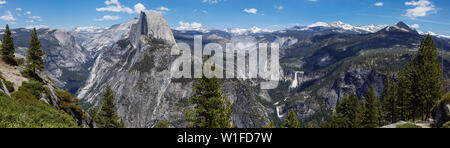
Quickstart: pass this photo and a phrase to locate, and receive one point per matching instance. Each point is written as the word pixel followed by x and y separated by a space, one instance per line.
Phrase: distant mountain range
pixel 325 61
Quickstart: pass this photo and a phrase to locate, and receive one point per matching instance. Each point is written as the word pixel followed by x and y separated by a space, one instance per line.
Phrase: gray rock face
pixel 355 80
pixel 441 113
pixel 95 39
pixel 137 69
pixel 65 60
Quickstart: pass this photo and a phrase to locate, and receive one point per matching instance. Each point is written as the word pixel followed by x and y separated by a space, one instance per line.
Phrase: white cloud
pixel 421 8
pixel 211 1
pixel 139 7
pixel 7 16
pixel 18 9
pixel 28 13
pixel 313 0
pixel 251 10
pixel 190 26
pixel 36 18
pixel 108 18
pixel 2 2
pixel 115 6
pixel 318 24
pixel 162 8
pixel 379 4
pixel 279 8
pixel 415 26
pixel 37 27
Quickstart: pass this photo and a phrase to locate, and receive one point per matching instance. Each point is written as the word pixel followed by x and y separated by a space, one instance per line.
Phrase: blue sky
pixel 429 15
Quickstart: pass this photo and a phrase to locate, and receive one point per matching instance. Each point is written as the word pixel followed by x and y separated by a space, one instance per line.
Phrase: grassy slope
pixel 30 113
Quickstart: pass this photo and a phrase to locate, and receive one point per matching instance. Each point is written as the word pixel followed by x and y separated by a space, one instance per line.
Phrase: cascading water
pixel 295 82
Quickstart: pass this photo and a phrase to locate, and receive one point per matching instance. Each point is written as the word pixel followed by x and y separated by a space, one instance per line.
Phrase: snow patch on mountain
pixel 246 31
pixel 339 26
pixel 433 34
pixel 96 38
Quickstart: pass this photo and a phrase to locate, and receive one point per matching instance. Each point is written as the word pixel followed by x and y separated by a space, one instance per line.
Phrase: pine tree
pixel 107 116
pixel 291 121
pixel 211 108
pixel 371 111
pixel 429 76
pixel 390 106
pixel 34 54
pixel 348 112
pixel 420 84
pixel 7 47
pixel 404 93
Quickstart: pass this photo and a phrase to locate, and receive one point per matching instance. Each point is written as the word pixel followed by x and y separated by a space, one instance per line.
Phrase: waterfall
pixel 295 82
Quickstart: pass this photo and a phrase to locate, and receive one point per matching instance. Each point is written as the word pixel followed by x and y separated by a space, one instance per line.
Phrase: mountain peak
pixel 338 23
pixel 153 24
pixel 403 25
pixel 400 27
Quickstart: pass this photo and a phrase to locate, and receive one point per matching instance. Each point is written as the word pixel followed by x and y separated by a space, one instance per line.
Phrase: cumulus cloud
pixel 251 10
pixel 313 0
pixel 108 18
pixel 7 16
pixel 379 4
pixel 421 8
pixel 18 9
pixel 2 2
pixel 115 6
pixel 139 7
pixel 189 26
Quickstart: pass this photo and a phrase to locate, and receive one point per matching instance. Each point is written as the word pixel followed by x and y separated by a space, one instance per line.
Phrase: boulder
pixel 441 112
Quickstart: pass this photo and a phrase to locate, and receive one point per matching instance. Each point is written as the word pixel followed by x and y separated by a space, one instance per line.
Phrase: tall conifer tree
pixel 107 116
pixel 7 47
pixel 34 54
pixel 291 121
pixel 371 111
pixel 211 108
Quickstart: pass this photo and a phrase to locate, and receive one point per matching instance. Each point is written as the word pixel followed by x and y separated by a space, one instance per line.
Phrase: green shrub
pixel 446 125
pixel 3 94
pixel 33 87
pixel 9 85
pixel 162 124
pixel 20 61
pixel 70 105
pixel 25 74
pixel 408 125
pixel 24 97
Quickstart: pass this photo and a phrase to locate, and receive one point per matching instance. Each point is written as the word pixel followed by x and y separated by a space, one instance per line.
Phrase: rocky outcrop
pixel 66 62
pixel 138 70
pixel 356 80
pixel 51 97
pixel 441 113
